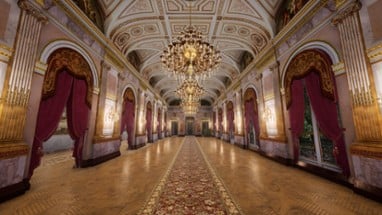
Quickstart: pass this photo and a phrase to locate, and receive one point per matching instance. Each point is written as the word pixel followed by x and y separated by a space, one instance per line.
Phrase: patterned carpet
pixel 190 186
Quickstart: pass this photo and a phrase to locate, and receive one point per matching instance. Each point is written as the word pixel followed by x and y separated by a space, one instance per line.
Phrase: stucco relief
pixel 242 7
pixel 73 27
pixel 304 30
pixel 137 7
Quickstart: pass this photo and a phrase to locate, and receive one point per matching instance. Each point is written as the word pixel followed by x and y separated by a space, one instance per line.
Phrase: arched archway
pixel 230 120
pixel 251 117
pixel 68 83
pixel 311 100
pixel 128 116
pixel 149 114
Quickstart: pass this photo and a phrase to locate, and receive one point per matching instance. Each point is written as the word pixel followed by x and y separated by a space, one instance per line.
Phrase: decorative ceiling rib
pixel 238 28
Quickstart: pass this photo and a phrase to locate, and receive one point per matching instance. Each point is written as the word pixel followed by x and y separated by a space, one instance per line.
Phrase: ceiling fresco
pixel 142 29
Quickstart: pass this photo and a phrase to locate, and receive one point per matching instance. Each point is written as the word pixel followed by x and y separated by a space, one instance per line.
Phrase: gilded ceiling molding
pixel 80 18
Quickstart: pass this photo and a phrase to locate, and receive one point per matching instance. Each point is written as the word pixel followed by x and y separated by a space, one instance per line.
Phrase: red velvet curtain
pixel 251 114
pixel 296 115
pixel 220 121
pixel 214 121
pixel 148 124
pixel 165 124
pixel 78 117
pixel 159 125
pixel 128 120
pixel 230 119
pixel 326 114
pixel 49 116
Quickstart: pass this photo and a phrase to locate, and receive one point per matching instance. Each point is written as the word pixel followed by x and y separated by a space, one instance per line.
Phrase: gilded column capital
pixel 32 10
pixel 350 10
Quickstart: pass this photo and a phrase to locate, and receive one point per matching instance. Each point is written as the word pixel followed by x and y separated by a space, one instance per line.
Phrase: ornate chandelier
pixel 189 56
pixel 190 93
pixel 190 90
pixel 190 107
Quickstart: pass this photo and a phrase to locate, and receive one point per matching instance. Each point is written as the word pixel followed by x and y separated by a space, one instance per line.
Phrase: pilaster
pixel 367 118
pixel 17 84
pixel 281 136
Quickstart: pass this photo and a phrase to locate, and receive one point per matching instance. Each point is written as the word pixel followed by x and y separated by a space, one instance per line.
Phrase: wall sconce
pixel 269 116
pixel 239 125
pixel 110 116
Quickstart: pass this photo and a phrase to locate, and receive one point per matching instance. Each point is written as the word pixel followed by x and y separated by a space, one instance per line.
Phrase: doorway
pixel 174 128
pixel 205 130
pixel 190 126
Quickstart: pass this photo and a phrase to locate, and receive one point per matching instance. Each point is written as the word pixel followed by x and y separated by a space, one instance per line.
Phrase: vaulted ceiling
pixel 142 29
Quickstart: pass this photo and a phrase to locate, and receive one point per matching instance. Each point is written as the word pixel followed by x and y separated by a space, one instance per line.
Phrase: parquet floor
pixel 123 185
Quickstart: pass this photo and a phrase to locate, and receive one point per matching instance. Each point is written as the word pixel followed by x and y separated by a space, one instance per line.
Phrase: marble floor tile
pixel 262 186
pixel 122 185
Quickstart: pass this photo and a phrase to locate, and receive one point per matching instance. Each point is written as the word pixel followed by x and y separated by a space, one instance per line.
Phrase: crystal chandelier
pixel 190 90
pixel 190 107
pixel 188 56
pixel 190 93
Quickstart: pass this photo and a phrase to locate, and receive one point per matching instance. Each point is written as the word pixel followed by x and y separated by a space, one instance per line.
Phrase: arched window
pixel 311 98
